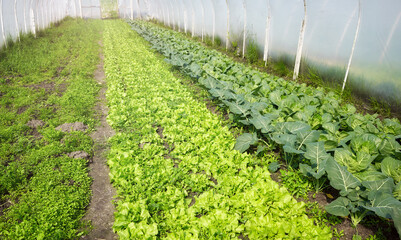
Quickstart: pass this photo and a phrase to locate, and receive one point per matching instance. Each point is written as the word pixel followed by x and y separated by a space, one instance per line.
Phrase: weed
pixel 381 107
pixel 10 41
pixel 234 46
pixel 252 52
pixel 297 184
pixel 37 173
pixel 338 235
pixel 322 215
pixel 208 40
pixel 373 237
pixel 217 41
pixel 281 69
pixel 314 78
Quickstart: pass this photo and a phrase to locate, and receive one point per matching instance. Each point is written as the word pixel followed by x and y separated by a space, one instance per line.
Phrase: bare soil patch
pixel 47 86
pixel 70 127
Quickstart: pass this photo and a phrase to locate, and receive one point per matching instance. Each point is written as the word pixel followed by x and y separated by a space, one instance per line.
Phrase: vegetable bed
pixel 173 164
pixel 46 82
pixel 359 155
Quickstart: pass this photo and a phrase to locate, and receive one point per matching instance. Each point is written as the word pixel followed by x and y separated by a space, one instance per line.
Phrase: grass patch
pixel 43 192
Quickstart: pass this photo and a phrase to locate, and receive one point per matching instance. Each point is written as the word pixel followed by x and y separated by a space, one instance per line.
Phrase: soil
pixel 62 87
pixel 47 86
pixel 101 209
pixel 4 204
pixel 78 155
pixel 70 127
pixel 192 196
pixel 349 231
pixel 21 110
pixel 35 123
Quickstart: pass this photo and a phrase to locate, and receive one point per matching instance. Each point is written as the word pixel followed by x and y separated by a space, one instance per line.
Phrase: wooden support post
pixel 353 48
pixel 300 45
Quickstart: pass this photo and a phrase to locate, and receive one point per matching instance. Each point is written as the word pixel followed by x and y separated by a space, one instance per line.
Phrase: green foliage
pixel 245 141
pixel 281 69
pixel 199 189
pixel 323 217
pixel 217 41
pixel 314 79
pixel 208 40
pixel 392 168
pixel 274 166
pixel 252 52
pixel 297 184
pixel 234 46
pixel 48 191
pixel 352 145
pixel 380 107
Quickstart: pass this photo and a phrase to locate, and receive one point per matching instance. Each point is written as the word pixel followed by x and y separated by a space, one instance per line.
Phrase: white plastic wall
pixel 330 31
pixel 91 9
pixel 377 58
pixel 23 16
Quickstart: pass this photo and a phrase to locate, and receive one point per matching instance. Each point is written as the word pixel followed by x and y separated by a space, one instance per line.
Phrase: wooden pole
pixel 353 48
pixel 16 20
pixel 244 40
pixel 267 33
pixel 214 21
pixel 2 23
pixel 300 45
pixel 203 19
pixel 228 26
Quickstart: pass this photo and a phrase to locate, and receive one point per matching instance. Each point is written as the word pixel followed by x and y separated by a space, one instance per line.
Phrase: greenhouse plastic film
pixel 32 15
pixel 376 66
pixel 328 41
pixel 330 31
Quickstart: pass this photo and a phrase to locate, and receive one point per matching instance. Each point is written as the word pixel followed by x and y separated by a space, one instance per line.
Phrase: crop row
pixel 325 138
pixel 46 82
pixel 173 164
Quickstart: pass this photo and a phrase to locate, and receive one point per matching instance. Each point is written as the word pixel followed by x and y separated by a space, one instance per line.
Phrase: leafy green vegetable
pixel 302 115
pixel 262 123
pixel 338 207
pixel 383 204
pixel 171 160
pixel 383 186
pixel 316 153
pixel 340 178
pixel 245 141
pixel 274 166
pixel 392 168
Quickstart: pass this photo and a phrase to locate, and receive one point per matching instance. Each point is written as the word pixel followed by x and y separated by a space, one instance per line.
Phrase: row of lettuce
pixel 173 164
pixel 325 138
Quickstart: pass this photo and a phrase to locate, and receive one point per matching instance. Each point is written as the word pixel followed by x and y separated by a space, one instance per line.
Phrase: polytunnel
pixel 331 28
pixel 201 119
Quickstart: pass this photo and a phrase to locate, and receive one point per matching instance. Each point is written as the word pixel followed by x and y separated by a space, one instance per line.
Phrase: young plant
pixel 252 52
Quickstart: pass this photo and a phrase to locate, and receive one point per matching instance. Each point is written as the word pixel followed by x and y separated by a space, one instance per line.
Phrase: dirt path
pixel 101 209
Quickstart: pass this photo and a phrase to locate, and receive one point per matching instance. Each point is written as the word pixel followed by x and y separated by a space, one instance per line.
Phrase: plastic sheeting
pixel 376 65
pixel 330 30
pixel 91 9
pixel 375 69
pixel 28 16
